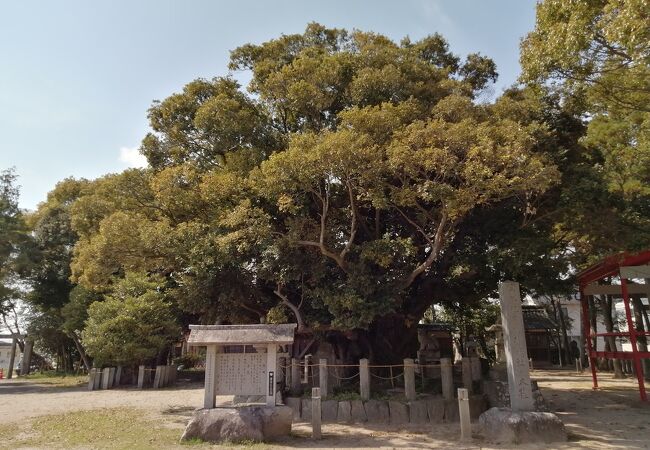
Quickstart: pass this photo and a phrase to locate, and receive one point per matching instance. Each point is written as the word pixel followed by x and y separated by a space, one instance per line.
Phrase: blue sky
pixel 77 77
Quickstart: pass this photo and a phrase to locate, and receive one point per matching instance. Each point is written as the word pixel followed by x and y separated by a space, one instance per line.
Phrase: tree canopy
pixel 354 182
pixel 596 55
pixel 357 183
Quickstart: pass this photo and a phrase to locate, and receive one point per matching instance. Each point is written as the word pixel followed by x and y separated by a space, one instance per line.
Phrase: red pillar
pixel 632 330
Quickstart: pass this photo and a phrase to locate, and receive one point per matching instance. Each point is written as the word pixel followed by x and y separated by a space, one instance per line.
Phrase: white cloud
pixel 132 157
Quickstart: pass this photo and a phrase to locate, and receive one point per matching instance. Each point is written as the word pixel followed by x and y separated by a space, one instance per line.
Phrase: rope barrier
pixel 386 378
pixel 346 378
pixel 373 366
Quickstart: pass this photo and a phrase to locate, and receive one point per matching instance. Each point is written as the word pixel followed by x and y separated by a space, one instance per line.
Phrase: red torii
pixel 618 265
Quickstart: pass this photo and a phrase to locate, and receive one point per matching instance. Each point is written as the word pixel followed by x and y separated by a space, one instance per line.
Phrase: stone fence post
pixel 306 373
pixel 295 376
pixel 106 378
pixel 476 368
pixel 91 379
pixel 463 409
pixel 466 365
pixel 141 377
pixel 157 381
pixel 118 376
pixel 409 379
pixel 364 379
pixel 315 413
pixel 322 377
pixel 447 378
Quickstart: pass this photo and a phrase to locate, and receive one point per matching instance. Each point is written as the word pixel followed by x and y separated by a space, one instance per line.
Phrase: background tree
pixel 596 55
pixel 48 277
pixel 134 325
pixel 13 240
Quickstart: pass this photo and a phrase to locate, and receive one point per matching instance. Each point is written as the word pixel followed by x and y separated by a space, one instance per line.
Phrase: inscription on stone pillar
pixel 514 335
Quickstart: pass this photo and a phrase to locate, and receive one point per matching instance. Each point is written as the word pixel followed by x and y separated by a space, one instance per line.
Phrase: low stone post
pixel 295 376
pixel 157 381
pixel 322 377
pixel 409 379
pixel 12 359
pixel 118 376
pixel 165 376
pixel 91 379
pixel 111 377
pixel 141 377
pixel 106 378
pixel 447 378
pixel 98 379
pixel 463 408
pixel 307 363
pixel 466 366
pixel 315 413
pixel 27 357
pixel 364 379
pixel 476 368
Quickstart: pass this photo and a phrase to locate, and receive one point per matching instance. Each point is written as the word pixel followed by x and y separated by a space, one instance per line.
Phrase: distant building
pixel 540 330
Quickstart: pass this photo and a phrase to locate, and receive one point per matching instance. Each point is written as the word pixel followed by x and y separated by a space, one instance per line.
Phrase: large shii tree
pixel 357 182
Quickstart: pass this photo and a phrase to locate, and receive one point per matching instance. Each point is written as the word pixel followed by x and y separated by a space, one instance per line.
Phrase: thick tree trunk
pixel 81 350
pixel 592 322
pixel 393 338
pixel 642 341
pixel 565 337
pixel 561 351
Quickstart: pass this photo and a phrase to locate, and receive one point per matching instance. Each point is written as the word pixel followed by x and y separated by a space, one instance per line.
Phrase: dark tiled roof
pixel 536 318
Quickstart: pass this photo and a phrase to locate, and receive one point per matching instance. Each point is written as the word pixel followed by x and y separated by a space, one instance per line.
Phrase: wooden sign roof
pixel 241 334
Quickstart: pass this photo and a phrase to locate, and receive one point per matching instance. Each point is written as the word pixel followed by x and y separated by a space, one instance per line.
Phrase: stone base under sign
pixel 257 423
pixel 502 425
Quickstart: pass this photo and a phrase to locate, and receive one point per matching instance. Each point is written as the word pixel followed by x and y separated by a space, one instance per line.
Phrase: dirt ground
pixel 609 418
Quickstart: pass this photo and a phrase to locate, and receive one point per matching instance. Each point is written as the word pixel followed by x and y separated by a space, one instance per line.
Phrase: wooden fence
pixel 305 373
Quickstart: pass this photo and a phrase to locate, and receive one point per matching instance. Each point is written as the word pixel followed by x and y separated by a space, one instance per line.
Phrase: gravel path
pixel 29 399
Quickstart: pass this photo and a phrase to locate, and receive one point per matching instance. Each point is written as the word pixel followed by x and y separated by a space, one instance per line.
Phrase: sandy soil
pixel 609 418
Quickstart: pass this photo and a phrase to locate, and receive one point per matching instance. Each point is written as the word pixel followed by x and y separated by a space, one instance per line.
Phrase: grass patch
pixel 115 428
pixel 57 378
pixel 108 428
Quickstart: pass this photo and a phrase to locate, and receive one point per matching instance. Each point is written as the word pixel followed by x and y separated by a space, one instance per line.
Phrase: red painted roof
pixel 611 265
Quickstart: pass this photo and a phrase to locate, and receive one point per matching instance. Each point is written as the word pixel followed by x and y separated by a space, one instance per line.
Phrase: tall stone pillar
pixel 210 376
pixel 271 371
pixel 512 320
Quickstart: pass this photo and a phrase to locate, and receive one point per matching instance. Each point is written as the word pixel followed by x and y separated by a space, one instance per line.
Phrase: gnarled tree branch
pixel 292 307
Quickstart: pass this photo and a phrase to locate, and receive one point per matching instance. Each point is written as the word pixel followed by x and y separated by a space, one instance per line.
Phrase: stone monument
pixel 519 423
pixel 250 373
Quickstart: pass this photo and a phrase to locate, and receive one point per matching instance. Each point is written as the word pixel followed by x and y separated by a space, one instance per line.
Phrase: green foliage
pixel 600 47
pixel 358 181
pixel 471 320
pixel 596 55
pixel 189 360
pixel 13 238
pixel 132 325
